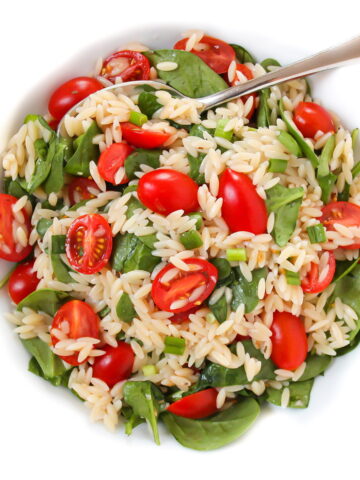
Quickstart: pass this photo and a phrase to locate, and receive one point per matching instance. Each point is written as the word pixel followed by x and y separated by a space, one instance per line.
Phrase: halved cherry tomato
pixel 311 284
pixel 81 321
pixel 70 93
pixel 197 405
pixel 214 52
pixel 183 317
pixel 78 189
pixel 89 243
pixel 112 159
pixel 53 124
pixel 243 209
pixel 22 281
pixel 310 117
pixel 115 365
pixel 289 341
pixel 240 67
pixel 344 213
pixel 10 249
pixel 190 287
pixel 128 65
pixel 142 138
pixel 165 191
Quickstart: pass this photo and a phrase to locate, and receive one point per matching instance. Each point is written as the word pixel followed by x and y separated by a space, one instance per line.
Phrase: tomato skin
pixel 7 242
pixel 165 190
pixel 70 93
pixel 311 284
pixel 345 213
pixel 82 321
pixel 112 159
pixel 142 138
pixel 115 365
pixel 197 405
pixel 138 66
pixel 89 243
pixel 79 188
pixel 217 55
pixel 243 209
pixel 183 317
pixel 310 117
pixel 289 341
pixel 240 67
pixel 22 281
pixel 164 294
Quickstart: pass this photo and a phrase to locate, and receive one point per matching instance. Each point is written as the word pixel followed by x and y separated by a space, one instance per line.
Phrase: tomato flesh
pixel 89 243
pixel 127 64
pixel 79 320
pixel 115 365
pixel 22 281
pixel 197 405
pixel 240 67
pixel 112 159
pixel 289 341
pixel 311 283
pixel 243 209
pixel 182 285
pixel 344 213
pixel 78 190
pixel 310 117
pixel 142 138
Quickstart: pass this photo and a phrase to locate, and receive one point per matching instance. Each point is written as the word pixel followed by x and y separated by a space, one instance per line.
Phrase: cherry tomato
pixel 243 209
pixel 344 213
pixel 70 93
pixel 240 67
pixel 79 320
pixel 10 249
pixel 112 159
pixel 22 282
pixel 214 52
pixel 89 243
pixel 197 405
pixel 165 191
pixel 289 341
pixel 115 365
pixel 142 138
pixel 53 124
pixel 311 284
pixel 78 190
pixel 190 288
pixel 310 117
pixel 128 65
pixel 183 317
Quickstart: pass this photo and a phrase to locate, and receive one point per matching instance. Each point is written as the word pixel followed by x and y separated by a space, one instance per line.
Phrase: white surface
pixel 45 432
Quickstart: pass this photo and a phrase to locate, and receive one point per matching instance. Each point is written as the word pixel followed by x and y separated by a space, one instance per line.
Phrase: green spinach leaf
pixel 43 225
pixel 45 154
pixel 48 365
pixel 123 247
pixel 246 292
pixel 141 259
pixel 86 151
pixel 242 55
pixel 148 103
pixel 225 272
pixel 55 180
pixel 139 157
pixel 44 300
pixel 195 163
pixel 198 130
pixel 299 394
pixel 315 366
pixel 125 309
pixel 219 309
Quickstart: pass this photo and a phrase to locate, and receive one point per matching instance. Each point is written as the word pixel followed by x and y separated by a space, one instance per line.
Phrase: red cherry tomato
pixel 311 284
pixel 53 124
pixel 243 209
pixel 197 405
pixel 183 317
pixel 289 341
pixel 10 249
pixel 22 282
pixel 310 117
pixel 81 321
pixel 165 191
pixel 89 243
pixel 112 159
pixel 142 138
pixel 240 67
pixel 70 93
pixel 115 365
pixel 214 52
pixel 128 65
pixel 190 287
pixel 344 213
pixel 78 190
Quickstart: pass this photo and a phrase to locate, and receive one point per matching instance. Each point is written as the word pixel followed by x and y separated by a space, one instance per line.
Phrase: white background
pixel 45 432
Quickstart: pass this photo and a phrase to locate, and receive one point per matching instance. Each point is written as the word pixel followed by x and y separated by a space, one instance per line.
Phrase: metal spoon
pixel 325 60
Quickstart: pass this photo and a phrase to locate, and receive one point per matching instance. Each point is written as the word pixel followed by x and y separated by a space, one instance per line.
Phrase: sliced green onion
pixel 199 219
pixel 30 118
pixel 290 143
pixel 149 370
pixel 277 165
pixel 220 130
pixel 210 317
pixel 137 118
pixel 191 239
pixel 105 311
pixel 5 279
pixel 354 137
pixel 292 278
pixel 174 345
pixel 316 233
pixel 236 254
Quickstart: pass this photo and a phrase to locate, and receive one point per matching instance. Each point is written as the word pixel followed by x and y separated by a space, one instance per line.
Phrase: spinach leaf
pixel 139 157
pixel 148 103
pixel 43 225
pixel 86 151
pixel 58 243
pixel 192 77
pixel 48 365
pixel 242 55
pixel 16 188
pixel 225 272
pixel 315 366
pixel 45 154
pixel 195 163
pixel 343 268
pixel 246 292
pixel 125 308
pixel 55 180
pixel 269 62
pixel 141 259
pixel 149 240
pixel 263 110
pixel 198 130
pixel 123 247
pixel 133 204
pixel 299 394
pixel 325 178
pixel 45 300
pixel 326 184
pixel 216 431
pixel 60 269
pixel 220 309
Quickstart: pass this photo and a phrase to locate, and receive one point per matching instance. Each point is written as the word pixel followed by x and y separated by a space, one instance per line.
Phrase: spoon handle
pixel 331 58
